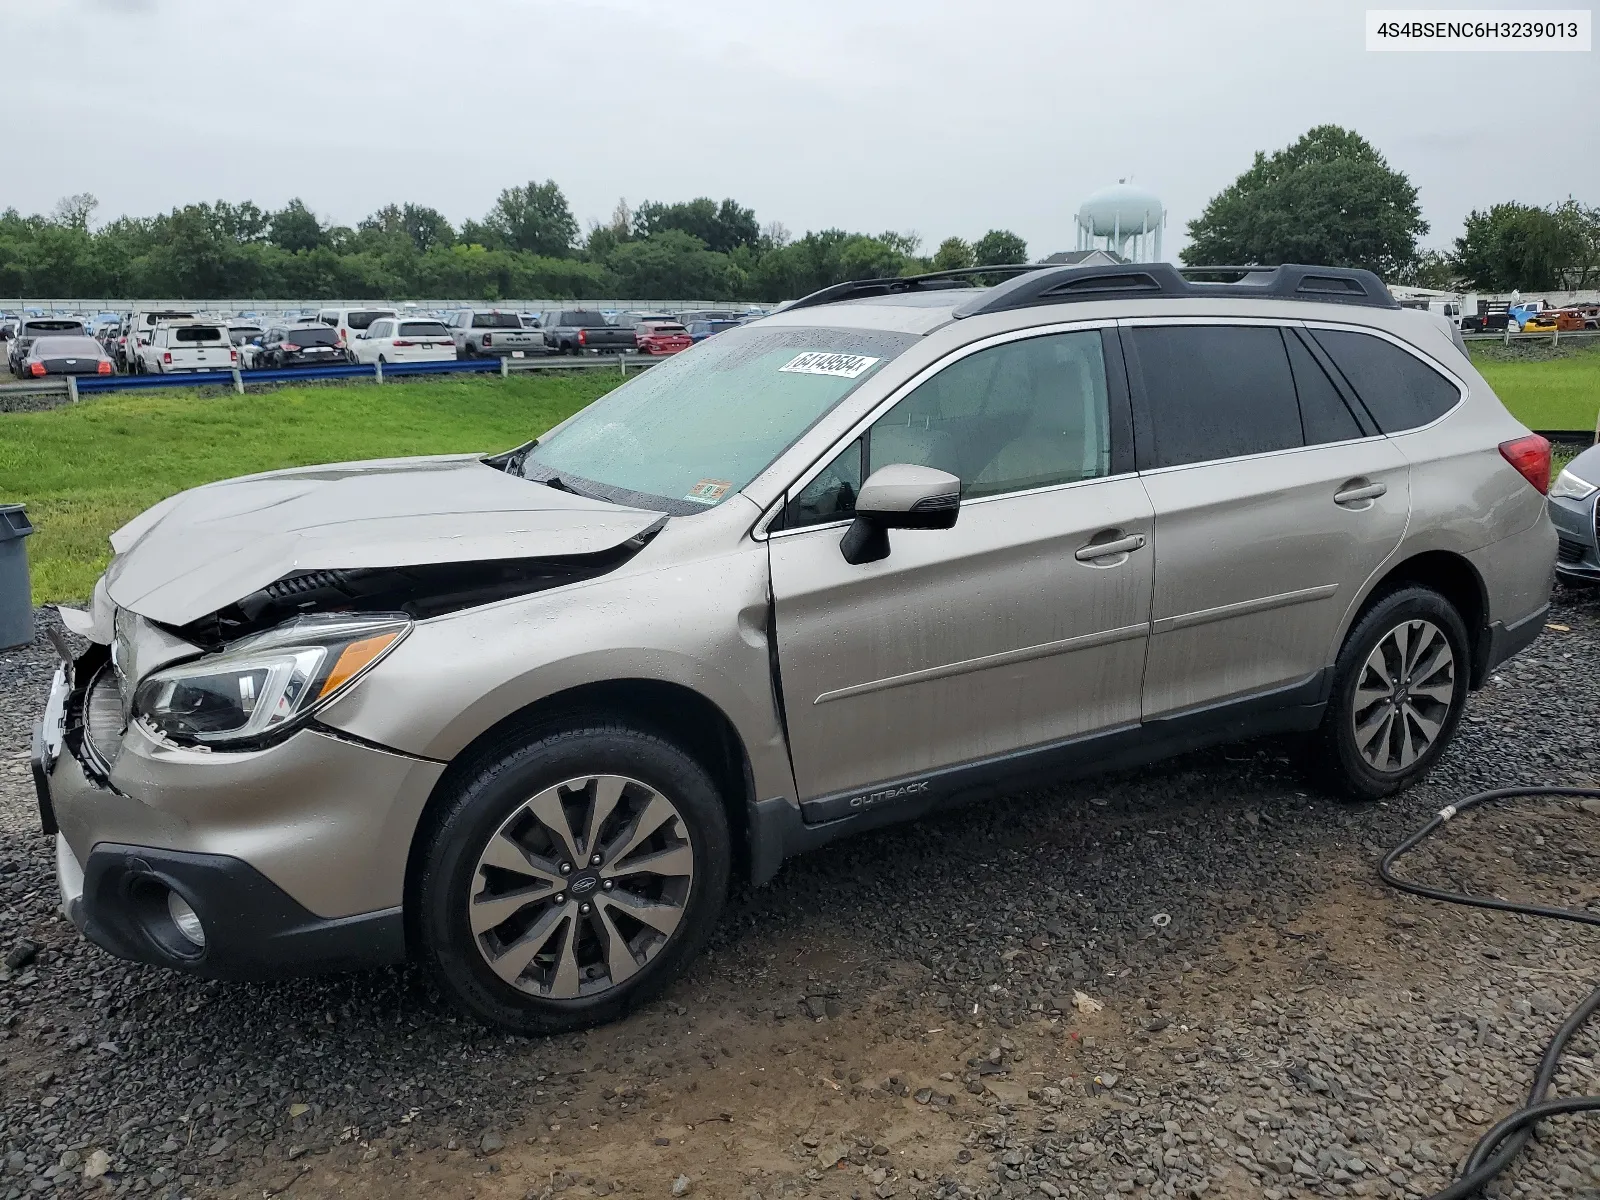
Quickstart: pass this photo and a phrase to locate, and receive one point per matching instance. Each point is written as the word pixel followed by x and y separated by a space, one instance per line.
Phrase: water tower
pixel 1129 218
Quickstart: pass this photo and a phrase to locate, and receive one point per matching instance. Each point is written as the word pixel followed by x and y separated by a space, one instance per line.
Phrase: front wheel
pixel 572 877
pixel 1399 688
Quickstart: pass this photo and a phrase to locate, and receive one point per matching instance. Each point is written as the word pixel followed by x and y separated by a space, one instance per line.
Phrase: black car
pixel 76 354
pixel 300 346
pixel 37 327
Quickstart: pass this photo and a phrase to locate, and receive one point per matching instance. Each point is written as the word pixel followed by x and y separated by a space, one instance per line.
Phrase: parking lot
pixel 898 1015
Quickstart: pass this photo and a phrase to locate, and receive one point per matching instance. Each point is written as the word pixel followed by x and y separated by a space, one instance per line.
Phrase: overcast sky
pixel 938 116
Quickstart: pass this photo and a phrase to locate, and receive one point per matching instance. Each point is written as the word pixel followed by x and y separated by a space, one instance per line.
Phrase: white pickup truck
pixel 177 346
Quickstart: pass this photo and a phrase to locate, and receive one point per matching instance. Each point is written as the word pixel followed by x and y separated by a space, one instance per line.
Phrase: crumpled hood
pixel 202 549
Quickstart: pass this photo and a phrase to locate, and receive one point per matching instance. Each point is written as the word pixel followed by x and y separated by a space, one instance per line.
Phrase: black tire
pixel 1337 752
pixel 382 361
pixel 474 814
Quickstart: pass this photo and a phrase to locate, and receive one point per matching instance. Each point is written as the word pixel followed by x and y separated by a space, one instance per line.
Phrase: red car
pixel 661 337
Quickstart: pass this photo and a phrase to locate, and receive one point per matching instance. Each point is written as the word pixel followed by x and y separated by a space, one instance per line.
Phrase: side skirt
pixel 780 829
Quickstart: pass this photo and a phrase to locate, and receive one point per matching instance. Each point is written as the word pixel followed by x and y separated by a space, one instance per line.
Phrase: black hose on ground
pixel 1496 1149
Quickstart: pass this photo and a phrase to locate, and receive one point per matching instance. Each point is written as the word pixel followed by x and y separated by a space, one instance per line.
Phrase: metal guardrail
pixel 77 385
pixel 1554 337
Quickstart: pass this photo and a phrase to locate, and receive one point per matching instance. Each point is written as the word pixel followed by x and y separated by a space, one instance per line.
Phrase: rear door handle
pixel 1356 494
pixel 1096 550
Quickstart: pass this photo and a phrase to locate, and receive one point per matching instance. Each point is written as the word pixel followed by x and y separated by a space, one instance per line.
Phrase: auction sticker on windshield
pixel 820 362
pixel 708 491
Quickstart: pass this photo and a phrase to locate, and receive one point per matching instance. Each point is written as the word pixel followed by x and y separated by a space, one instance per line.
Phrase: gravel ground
pixel 915 1013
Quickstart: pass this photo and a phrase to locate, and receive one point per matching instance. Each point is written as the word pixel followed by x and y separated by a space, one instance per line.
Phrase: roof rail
pixel 1133 281
pixel 932 281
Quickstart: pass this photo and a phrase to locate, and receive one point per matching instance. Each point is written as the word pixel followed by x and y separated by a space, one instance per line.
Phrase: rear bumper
pixel 1501 642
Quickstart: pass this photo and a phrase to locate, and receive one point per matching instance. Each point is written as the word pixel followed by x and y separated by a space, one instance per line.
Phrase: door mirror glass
pixel 899 496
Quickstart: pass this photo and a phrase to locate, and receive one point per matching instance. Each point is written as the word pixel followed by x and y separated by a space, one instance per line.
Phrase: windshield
pixel 312 335
pixel 496 321
pixel 425 329
pixel 692 431
pixel 62 347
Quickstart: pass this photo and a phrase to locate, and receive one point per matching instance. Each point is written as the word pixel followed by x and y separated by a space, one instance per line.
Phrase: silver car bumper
pixel 292 858
pixel 1578 548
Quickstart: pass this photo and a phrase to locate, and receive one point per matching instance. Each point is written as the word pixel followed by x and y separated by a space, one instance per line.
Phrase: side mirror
pixel 899 496
pixel 361 337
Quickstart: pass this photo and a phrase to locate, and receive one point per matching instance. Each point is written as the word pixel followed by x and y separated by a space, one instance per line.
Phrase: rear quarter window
pixel 1399 390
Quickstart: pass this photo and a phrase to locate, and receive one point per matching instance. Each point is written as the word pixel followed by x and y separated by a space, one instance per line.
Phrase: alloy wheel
pixel 581 887
pixel 1403 696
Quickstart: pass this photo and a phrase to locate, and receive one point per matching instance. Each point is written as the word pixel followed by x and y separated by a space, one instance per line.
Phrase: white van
pixel 138 330
pixel 351 321
pixel 189 346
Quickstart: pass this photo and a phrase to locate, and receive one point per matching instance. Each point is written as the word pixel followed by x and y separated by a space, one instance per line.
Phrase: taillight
pixel 103 369
pixel 583 338
pixel 488 339
pixel 1531 457
pixel 339 345
pixel 37 368
pixel 398 343
pixel 233 356
pixel 290 346
pixel 166 356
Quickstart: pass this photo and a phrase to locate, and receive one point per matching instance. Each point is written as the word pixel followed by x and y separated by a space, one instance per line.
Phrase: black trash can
pixel 16 593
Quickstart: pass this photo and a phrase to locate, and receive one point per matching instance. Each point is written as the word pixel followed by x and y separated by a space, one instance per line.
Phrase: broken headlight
pixel 265 684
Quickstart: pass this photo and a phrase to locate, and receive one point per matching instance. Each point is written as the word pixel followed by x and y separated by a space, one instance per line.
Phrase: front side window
pixel 1024 414
pixel 1215 391
pixel 693 431
pixel 1397 388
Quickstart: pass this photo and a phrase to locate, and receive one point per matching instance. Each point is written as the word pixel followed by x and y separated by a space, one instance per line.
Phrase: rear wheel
pixel 571 878
pixel 1399 687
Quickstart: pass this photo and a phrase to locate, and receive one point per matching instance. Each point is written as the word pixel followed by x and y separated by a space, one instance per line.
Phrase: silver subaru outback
pixel 526 717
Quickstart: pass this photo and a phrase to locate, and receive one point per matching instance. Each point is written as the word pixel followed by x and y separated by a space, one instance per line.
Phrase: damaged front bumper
pixel 290 858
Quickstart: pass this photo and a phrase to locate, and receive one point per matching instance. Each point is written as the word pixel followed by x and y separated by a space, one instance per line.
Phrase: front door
pixel 1274 505
pixel 1013 630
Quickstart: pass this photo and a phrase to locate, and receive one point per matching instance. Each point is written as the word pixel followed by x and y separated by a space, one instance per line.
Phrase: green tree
pixel 1330 198
pixel 953 254
pixel 1521 247
pixel 535 218
pixel 721 227
pixel 668 264
pixel 295 228
pixel 999 247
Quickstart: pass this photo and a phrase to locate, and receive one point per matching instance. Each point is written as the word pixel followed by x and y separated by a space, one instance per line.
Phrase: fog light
pixel 186 919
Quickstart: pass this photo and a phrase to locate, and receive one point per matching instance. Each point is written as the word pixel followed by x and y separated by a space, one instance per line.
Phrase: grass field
pixel 84 470
pixel 1544 392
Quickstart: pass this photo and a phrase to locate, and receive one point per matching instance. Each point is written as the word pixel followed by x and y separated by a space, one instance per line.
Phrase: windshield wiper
pixel 562 485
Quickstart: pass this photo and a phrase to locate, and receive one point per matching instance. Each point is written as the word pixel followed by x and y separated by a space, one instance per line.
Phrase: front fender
pixel 700 625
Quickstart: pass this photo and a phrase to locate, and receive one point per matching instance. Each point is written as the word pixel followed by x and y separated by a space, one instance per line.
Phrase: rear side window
pixel 1399 389
pixel 1323 413
pixel 1215 391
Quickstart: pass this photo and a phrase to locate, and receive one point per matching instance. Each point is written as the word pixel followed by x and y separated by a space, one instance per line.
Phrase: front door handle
pixel 1355 495
pixel 1096 550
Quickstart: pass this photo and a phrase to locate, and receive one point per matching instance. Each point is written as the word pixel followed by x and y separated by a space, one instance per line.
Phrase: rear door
pixel 1005 633
pixel 1275 499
